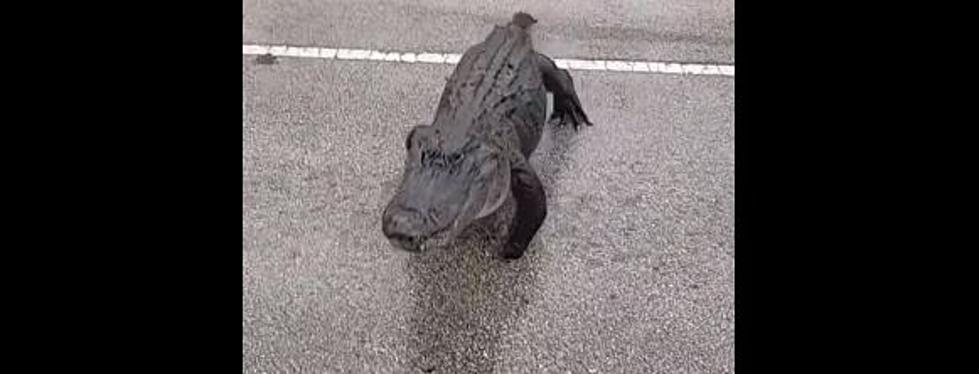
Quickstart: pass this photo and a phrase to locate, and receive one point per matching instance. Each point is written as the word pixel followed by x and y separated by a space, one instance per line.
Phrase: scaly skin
pixel 489 121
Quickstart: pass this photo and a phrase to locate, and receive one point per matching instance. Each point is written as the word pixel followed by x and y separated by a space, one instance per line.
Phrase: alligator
pixel 474 155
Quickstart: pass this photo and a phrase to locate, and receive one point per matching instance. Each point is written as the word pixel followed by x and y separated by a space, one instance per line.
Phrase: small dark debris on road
pixel 266 59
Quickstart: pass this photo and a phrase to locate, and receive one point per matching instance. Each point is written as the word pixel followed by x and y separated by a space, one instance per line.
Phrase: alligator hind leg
pixel 567 108
pixel 528 192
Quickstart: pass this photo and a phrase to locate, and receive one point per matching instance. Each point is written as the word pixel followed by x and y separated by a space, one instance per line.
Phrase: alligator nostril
pixel 393 223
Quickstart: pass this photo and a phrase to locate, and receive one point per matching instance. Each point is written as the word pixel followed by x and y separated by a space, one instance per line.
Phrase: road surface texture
pixel 633 270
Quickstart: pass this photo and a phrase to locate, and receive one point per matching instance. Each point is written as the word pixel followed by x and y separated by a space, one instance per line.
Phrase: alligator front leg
pixel 531 208
pixel 567 107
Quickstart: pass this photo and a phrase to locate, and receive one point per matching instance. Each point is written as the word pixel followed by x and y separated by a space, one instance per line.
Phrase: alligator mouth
pixel 420 244
pixel 438 239
pixel 407 243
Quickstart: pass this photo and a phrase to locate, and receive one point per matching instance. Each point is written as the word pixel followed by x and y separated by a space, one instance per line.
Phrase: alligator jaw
pixel 406 245
pixel 418 245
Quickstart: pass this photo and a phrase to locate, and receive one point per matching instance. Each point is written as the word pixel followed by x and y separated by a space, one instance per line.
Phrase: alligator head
pixel 444 188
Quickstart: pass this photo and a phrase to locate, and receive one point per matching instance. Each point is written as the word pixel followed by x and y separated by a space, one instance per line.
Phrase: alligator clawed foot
pixel 561 120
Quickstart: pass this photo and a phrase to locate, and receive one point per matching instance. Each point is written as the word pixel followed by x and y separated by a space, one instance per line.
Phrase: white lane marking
pixel 653 67
pixel 452 58
pixel 349 54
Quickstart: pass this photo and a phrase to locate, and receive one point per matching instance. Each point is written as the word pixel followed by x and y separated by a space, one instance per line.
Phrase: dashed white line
pixel 654 67
pixel 350 54
pixel 433 58
pixel 453 58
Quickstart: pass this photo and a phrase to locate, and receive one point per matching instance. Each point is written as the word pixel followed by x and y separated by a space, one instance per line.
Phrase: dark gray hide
pixel 489 120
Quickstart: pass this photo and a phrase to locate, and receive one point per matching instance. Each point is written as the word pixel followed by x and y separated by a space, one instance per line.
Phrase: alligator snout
pixel 405 242
pixel 401 230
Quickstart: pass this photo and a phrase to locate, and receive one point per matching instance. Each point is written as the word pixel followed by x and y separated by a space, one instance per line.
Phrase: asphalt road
pixel 633 270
